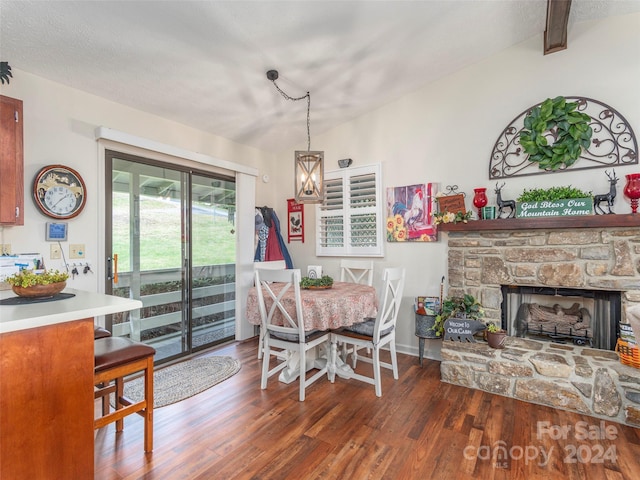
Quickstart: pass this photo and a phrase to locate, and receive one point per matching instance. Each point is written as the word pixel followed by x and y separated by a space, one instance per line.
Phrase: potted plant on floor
pixel 495 336
pixel 465 306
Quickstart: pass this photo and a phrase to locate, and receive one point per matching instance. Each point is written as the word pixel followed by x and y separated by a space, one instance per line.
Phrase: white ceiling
pixel 203 63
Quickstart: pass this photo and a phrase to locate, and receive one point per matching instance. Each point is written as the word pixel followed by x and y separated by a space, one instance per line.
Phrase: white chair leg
pixel 394 359
pixel 376 372
pixel 333 360
pixel 265 364
pixel 260 344
pixel 303 374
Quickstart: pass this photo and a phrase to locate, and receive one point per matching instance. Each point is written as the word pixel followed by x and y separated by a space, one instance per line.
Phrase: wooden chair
pixel 374 333
pixel 356 271
pixel 272 265
pixel 115 358
pixel 291 335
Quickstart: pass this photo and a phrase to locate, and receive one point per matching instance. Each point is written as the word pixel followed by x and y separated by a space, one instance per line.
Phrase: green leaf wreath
pixel 570 131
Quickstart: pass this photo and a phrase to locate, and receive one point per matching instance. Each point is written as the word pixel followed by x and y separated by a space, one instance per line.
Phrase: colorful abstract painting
pixel 410 213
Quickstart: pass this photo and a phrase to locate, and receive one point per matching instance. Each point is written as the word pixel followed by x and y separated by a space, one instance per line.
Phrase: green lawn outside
pixel 213 237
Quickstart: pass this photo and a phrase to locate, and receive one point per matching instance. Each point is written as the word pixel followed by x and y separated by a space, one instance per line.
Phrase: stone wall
pixel 580 379
pixel 568 377
pixel 481 262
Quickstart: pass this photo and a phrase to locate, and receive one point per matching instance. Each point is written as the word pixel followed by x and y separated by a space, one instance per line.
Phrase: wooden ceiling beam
pixel 555 34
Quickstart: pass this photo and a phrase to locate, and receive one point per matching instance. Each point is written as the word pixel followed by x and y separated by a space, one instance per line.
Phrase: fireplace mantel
pixel 545 223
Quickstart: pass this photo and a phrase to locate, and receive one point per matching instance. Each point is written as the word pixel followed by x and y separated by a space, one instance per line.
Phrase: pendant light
pixel 309 165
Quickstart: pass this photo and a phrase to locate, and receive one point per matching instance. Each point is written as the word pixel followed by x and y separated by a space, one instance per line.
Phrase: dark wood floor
pixel 421 428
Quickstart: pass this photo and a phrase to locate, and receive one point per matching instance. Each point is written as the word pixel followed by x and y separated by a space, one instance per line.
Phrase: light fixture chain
pixel 295 99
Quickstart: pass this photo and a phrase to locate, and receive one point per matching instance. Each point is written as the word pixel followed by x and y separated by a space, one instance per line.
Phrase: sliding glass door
pixel 170 242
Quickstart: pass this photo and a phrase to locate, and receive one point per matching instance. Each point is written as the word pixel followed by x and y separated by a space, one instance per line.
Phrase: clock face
pixel 59 191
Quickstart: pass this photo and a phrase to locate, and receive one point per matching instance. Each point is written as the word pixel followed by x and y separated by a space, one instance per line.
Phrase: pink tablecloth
pixel 340 306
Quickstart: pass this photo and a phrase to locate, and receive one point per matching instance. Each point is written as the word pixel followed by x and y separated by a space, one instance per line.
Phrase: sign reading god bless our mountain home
pixel 555 208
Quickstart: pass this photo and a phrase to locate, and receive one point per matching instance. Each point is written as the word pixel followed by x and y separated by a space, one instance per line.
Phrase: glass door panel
pixel 148 229
pixel 213 253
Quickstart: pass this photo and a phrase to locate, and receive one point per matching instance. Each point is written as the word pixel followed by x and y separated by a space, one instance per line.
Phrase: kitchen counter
pixel 46 384
pixel 83 305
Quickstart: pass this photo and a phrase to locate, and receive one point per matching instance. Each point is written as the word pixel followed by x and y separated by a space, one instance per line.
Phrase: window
pixel 349 220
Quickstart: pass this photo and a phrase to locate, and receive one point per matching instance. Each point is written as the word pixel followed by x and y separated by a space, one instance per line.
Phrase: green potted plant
pixel 27 283
pixel 495 336
pixel 465 306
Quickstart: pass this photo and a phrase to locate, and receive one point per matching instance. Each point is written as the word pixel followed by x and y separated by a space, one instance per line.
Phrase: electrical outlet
pixel 76 250
pixel 55 252
pixel 6 249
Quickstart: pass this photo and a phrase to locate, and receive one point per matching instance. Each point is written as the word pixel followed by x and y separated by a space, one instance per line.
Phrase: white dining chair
pixel 270 265
pixel 290 335
pixel 356 271
pixel 374 333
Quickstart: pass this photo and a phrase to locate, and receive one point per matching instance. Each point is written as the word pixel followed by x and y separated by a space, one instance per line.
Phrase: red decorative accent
pixel 480 199
pixel 295 220
pixel 632 190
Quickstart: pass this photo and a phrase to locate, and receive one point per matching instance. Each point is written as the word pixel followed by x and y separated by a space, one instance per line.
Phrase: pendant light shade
pixel 309 166
pixel 309 176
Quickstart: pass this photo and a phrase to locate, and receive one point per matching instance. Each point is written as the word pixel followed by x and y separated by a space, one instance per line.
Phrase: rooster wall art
pixel 410 213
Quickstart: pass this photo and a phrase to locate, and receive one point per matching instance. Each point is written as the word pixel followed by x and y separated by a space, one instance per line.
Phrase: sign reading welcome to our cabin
pixel 555 208
pixel 461 329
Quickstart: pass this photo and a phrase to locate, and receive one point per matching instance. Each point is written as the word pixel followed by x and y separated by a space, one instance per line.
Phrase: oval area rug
pixel 183 380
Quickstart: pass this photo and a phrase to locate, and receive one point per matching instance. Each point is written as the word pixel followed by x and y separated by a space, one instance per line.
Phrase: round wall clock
pixel 59 191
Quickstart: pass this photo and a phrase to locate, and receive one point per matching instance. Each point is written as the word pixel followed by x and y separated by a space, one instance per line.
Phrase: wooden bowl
pixel 39 291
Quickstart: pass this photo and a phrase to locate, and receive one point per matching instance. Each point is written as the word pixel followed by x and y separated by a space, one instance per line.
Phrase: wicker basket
pixel 629 353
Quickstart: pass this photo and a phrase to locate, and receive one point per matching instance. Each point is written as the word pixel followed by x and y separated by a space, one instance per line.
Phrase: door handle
pixel 115 268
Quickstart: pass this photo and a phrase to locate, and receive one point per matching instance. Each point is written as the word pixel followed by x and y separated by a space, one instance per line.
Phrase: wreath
pixel 568 128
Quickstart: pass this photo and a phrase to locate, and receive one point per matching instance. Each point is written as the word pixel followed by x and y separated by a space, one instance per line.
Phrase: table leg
pixel 291 372
pixel 421 349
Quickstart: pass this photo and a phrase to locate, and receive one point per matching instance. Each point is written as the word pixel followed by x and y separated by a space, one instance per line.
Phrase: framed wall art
pixel 295 220
pixel 410 213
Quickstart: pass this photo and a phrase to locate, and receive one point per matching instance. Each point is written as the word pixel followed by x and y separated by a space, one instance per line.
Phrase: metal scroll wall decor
pixel 613 143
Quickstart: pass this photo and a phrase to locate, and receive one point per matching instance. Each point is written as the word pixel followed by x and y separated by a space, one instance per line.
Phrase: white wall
pixel 59 128
pixel 446 131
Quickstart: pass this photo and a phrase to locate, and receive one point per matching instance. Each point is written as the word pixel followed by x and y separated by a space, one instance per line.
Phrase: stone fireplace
pixel 592 254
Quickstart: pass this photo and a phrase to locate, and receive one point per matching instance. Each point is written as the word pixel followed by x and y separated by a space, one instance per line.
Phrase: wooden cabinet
pixel 11 162
pixel 46 402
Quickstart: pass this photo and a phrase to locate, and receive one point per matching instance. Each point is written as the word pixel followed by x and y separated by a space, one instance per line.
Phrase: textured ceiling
pixel 203 63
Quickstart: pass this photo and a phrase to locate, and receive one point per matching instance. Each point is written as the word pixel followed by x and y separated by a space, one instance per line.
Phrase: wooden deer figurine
pixel 504 203
pixel 606 197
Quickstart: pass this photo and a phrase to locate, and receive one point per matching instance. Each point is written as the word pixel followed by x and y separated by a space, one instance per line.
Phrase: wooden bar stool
pixel 115 358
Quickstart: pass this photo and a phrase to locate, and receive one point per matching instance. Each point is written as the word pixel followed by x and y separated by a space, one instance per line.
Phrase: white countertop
pixel 83 305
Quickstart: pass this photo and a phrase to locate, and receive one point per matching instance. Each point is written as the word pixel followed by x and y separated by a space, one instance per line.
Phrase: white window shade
pixel 349 220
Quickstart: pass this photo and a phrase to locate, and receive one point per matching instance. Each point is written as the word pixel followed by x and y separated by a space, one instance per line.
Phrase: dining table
pixel 342 305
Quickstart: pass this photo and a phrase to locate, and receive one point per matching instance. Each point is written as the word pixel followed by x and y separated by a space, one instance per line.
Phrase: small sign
pixel 451 203
pixel 295 214
pixel 461 329
pixel 555 208
pixel 626 333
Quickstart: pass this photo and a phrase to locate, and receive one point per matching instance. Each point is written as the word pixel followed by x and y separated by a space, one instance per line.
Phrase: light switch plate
pixel 76 250
pixel 55 252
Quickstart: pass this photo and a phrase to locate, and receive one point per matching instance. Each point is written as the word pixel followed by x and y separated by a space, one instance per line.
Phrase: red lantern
pixel 480 199
pixel 632 190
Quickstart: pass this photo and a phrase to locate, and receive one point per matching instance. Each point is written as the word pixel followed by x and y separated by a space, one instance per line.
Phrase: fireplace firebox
pixel 562 315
